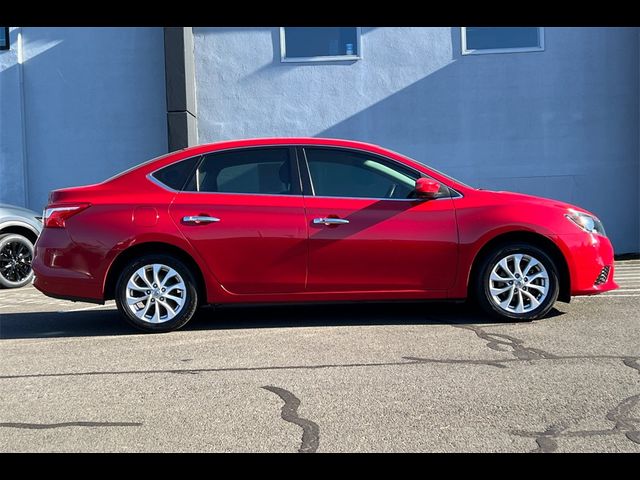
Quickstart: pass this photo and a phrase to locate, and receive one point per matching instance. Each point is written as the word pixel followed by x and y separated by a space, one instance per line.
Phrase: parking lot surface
pixel 393 377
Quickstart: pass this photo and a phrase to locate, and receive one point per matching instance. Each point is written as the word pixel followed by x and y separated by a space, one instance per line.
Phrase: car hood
pixel 6 209
pixel 513 197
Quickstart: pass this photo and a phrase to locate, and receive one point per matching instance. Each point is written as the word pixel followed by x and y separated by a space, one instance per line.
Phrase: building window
pixel 479 40
pixel 319 44
pixel 4 38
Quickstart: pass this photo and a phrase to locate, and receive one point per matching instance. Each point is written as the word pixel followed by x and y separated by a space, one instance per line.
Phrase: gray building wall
pixel 563 123
pixel 12 179
pixel 92 101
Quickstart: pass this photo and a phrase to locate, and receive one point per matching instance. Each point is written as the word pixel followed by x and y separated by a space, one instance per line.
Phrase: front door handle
pixel 199 219
pixel 330 221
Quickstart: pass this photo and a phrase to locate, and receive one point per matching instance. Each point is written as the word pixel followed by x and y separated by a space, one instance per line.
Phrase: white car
pixel 19 230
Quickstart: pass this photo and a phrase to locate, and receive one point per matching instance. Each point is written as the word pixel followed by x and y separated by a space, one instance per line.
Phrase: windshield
pixel 449 177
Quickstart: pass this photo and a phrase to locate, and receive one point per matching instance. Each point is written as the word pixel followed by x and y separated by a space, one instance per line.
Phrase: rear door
pixel 244 214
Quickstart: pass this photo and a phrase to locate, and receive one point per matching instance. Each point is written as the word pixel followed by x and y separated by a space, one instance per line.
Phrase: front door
pixel 244 215
pixel 367 234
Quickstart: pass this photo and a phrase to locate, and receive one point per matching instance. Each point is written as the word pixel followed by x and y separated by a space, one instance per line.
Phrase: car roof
pixel 246 142
pixel 169 158
pixel 177 155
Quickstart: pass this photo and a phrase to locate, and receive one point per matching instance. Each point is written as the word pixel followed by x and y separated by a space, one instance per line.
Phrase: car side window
pixel 176 175
pixel 257 170
pixel 343 173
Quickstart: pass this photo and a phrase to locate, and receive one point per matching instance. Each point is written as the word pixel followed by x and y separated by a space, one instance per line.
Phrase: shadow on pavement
pixel 108 322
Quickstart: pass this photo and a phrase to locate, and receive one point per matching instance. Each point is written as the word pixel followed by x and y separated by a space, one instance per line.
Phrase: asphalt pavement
pixel 392 377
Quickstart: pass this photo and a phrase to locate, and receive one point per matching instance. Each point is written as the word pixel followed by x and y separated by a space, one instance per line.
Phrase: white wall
pixel 12 184
pixel 94 104
pixel 562 123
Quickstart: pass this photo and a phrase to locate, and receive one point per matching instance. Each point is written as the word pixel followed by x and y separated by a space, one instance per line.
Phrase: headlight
pixel 586 222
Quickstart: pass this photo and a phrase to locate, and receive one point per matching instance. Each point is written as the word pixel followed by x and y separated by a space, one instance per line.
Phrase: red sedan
pixel 307 220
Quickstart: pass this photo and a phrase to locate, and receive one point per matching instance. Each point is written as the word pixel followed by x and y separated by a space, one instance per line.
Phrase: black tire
pixel 16 255
pixel 482 284
pixel 189 306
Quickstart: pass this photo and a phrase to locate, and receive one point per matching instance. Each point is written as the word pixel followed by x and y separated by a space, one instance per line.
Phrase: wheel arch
pixel 535 239
pixel 20 229
pixel 124 257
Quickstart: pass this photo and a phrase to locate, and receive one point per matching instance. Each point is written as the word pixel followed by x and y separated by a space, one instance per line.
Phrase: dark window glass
pixel 4 38
pixel 341 173
pixel 301 42
pixel 260 170
pixel 488 38
pixel 177 174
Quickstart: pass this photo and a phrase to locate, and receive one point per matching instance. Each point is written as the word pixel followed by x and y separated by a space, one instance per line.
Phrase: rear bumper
pixel 61 270
pixel 587 256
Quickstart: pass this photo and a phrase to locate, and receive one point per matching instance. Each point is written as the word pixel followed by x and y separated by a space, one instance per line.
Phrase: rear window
pixel 176 175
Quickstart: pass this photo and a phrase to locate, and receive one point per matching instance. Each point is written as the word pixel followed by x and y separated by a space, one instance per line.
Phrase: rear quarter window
pixel 175 176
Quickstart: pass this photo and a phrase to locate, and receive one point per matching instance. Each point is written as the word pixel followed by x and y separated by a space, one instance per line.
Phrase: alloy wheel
pixel 156 293
pixel 518 283
pixel 15 261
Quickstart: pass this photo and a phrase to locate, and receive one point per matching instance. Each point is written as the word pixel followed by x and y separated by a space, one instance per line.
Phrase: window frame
pixel 488 51
pixel 296 186
pixel 5 33
pixel 307 181
pixel 327 58
pixel 300 170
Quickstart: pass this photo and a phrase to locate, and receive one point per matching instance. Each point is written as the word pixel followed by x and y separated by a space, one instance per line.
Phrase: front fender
pixel 479 224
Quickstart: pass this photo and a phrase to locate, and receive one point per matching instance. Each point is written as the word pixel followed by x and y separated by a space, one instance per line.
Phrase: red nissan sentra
pixel 308 220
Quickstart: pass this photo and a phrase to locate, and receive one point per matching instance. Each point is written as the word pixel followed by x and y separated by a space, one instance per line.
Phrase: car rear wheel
pixel 517 282
pixel 16 255
pixel 157 293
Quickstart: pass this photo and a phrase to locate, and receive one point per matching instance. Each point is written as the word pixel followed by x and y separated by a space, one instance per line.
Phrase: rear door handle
pixel 330 221
pixel 198 219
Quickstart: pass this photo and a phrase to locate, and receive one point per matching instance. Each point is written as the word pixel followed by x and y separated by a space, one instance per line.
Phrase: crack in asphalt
pixel 489 363
pixel 207 370
pixel 498 342
pixel 546 440
pixel 621 415
pixel 43 426
pixel 632 363
pixel 289 413
pixel 501 363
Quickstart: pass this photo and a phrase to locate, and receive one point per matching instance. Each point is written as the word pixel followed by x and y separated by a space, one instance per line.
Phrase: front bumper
pixel 587 256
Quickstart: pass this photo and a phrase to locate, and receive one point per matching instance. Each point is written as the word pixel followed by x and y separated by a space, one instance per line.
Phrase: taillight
pixel 55 216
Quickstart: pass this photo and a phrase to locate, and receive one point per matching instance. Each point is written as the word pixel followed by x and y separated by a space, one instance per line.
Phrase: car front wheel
pixel 517 282
pixel 16 255
pixel 157 293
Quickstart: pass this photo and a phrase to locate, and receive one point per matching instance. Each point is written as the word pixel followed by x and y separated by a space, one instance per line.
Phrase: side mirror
pixel 427 188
